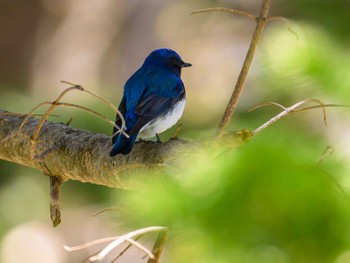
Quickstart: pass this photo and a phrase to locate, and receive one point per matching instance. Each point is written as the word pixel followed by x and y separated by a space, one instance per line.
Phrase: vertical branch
pixel 159 246
pixel 260 24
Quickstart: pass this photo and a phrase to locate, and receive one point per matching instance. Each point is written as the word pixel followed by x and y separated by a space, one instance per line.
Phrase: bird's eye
pixel 174 60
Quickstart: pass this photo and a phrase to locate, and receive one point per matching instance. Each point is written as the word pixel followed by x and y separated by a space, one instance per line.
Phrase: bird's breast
pixel 163 122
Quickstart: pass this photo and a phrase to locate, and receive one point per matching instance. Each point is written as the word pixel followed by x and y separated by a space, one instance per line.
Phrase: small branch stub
pixel 55 202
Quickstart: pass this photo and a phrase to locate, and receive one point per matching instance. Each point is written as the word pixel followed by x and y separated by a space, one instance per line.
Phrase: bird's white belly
pixel 164 122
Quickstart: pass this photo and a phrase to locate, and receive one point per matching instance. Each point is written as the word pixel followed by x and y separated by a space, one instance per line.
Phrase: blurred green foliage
pixel 268 201
pixel 298 65
pixel 328 14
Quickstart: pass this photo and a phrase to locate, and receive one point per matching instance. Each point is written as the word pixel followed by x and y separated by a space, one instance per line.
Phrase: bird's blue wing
pixel 149 93
pixel 152 107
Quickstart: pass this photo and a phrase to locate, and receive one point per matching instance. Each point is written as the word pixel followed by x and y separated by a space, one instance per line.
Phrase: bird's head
pixel 166 58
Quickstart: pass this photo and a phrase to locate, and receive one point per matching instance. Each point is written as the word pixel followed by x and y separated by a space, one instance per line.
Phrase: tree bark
pixel 73 154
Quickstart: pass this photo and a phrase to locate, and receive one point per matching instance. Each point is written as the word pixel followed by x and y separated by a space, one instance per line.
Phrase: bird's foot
pixel 69 121
pixel 177 131
pixel 158 138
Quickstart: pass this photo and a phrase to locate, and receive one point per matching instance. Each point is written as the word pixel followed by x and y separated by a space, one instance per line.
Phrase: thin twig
pixel 125 249
pixel 104 210
pixel 107 102
pixel 337 184
pixel 286 21
pixel 260 24
pixel 159 246
pixel 322 106
pixel 64 104
pixel 43 119
pixel 124 238
pixel 40 104
pixel 223 9
pixel 290 110
pixel 90 244
pixel 267 104
pixel 141 247
pixel 326 152
pixel 56 103
pixel 108 239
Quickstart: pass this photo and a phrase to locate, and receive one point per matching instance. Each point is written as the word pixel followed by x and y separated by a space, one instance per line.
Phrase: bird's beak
pixel 185 64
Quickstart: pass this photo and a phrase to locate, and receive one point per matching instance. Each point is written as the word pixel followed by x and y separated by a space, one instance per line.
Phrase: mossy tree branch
pixel 73 154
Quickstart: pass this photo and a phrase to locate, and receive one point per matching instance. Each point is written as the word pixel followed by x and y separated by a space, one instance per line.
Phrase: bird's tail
pixel 123 145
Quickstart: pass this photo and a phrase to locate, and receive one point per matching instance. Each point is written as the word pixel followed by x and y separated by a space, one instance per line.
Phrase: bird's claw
pixel 158 138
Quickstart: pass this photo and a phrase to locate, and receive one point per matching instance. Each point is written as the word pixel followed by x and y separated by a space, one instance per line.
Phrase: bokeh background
pixel 268 201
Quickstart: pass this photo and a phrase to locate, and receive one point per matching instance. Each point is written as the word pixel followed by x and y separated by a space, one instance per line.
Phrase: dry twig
pixel 117 241
pixel 286 21
pixel 90 244
pixel 290 110
pixel 56 103
pixel 223 9
pixel 326 152
pixel 124 250
pixel 159 246
pixel 124 238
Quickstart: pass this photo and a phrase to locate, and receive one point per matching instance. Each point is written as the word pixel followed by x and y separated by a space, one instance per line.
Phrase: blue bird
pixel 153 99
